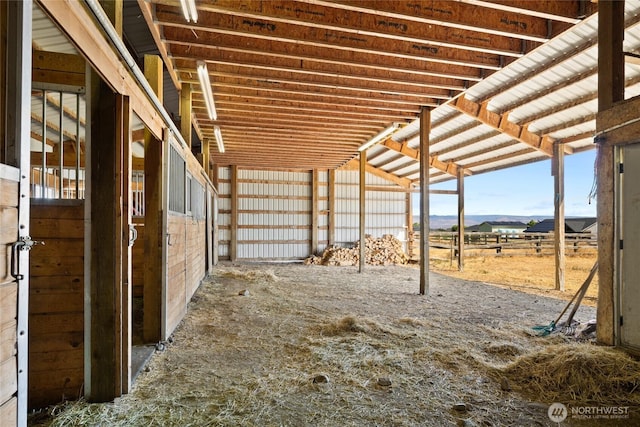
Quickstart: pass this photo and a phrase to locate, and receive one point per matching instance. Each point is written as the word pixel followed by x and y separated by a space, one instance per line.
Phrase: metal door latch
pixel 24 244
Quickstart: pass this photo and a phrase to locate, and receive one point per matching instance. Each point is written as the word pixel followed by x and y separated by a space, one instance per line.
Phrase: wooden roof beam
pixel 353 164
pixel 403 148
pixel 455 15
pixel 502 123
pixel 332 19
pixel 570 12
pixel 148 13
pixel 352 58
pixel 245 63
pixel 258 31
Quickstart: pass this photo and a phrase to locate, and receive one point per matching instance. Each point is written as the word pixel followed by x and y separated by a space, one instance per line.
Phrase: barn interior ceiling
pixel 304 84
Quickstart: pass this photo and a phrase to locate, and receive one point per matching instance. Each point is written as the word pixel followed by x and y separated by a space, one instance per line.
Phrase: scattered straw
pixel 577 373
pixel 251 275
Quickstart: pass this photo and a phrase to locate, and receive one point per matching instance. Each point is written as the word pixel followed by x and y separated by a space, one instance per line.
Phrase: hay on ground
pixel 577 373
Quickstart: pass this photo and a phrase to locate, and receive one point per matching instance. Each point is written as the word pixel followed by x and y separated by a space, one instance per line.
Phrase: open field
pixel 531 273
pixel 295 345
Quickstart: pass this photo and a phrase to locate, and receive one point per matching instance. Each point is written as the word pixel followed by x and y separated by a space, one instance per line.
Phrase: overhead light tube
pixel 189 10
pixel 218 134
pixel 205 85
pixel 379 137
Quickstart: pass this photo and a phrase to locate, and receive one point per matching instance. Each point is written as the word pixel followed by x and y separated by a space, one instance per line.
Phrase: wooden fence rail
pixel 540 243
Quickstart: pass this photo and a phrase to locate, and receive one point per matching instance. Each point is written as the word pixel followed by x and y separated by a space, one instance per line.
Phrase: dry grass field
pixel 529 272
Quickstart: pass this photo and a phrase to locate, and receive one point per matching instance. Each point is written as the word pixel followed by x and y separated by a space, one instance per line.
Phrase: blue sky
pixel 523 190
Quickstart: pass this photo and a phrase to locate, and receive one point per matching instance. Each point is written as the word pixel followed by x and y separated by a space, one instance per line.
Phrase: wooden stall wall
pixel 8 301
pixel 186 241
pixel 56 303
pixel 176 276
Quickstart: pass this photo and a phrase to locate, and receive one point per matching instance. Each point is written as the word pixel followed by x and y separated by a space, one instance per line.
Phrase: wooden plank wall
pixel 56 303
pixel 195 254
pixel 8 302
pixel 176 277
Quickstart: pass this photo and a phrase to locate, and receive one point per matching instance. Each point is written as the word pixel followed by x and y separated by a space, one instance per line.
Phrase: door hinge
pixel 621 320
pixel 621 244
pixel 621 168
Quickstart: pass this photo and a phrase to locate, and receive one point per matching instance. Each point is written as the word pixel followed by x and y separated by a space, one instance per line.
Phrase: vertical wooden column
pixel 104 351
pixel 332 207
pixel 610 90
pixel 409 219
pixel 185 113
pixel 105 348
pixel 363 192
pixel 123 119
pixel 216 184
pixel 154 156
pixel 460 219
pixel 314 212
pixel 558 204
pixel 425 129
pixel 233 232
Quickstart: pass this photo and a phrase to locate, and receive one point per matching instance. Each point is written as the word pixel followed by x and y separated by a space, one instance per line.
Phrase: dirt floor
pixel 294 345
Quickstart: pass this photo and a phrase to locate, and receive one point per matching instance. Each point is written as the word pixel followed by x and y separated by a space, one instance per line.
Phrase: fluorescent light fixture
pixel 189 10
pixel 218 134
pixel 205 85
pixel 379 137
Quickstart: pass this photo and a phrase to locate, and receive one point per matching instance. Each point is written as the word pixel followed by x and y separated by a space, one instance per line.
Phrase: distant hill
pixel 437 222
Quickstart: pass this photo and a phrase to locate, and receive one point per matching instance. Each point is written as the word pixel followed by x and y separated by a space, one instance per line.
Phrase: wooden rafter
pixel 403 148
pixel 501 122
pixel 353 164
pixel 455 15
pixel 257 31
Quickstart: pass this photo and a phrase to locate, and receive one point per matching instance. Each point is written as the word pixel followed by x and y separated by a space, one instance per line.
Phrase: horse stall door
pixel 630 285
pixel 8 296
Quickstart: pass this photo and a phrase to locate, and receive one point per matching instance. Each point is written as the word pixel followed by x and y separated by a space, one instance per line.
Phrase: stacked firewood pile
pixel 384 250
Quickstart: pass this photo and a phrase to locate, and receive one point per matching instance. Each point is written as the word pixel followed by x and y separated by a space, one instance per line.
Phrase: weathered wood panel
pixel 176 280
pixel 56 304
pixel 195 255
pixel 8 378
pixel 8 301
pixel 9 409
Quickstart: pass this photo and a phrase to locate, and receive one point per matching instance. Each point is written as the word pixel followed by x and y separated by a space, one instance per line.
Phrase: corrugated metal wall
pixel 275 210
pixel 274 214
pixel 384 214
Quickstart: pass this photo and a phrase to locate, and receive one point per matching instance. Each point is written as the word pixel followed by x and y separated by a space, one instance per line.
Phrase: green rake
pixel 544 330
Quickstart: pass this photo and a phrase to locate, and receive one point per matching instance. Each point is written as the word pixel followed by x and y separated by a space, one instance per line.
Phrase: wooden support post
pixel 233 232
pixel 216 185
pixel 363 186
pixel 332 207
pixel 314 212
pixel 558 203
pixel 154 156
pixel 610 90
pixel 185 113
pixel 123 119
pixel 460 219
pixel 206 155
pixel 425 129
pixel 105 311
pixel 409 219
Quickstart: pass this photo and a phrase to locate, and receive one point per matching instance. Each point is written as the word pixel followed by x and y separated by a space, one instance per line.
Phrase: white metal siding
pixel 384 214
pixel 269 202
